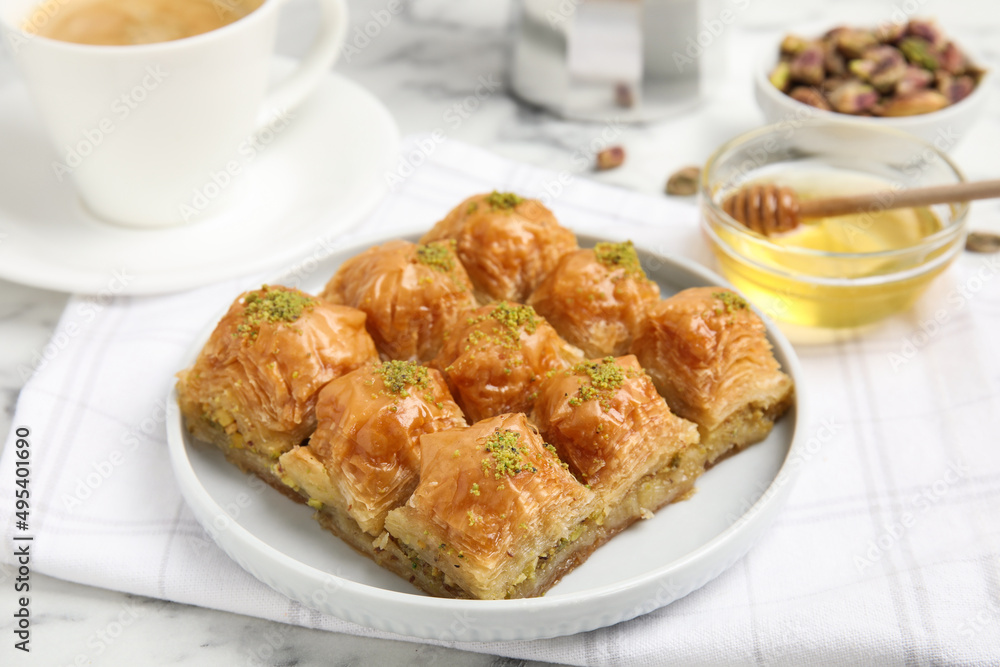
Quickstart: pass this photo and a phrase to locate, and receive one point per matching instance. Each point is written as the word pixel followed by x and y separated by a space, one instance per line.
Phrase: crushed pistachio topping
pixel 731 301
pixel 503 200
pixel 471 208
pixel 315 504
pixel 473 518
pixel 398 375
pixel 620 256
pixel 604 378
pixel 439 255
pixel 506 454
pixel 269 305
pixel 513 318
pixel 474 490
pixel 552 449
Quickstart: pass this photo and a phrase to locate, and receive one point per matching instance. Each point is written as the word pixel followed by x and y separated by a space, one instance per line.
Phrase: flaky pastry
pixel 709 356
pixel 507 243
pixel 413 295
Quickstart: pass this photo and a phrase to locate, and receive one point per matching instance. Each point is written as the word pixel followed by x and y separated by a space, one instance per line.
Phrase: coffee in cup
pixel 118 23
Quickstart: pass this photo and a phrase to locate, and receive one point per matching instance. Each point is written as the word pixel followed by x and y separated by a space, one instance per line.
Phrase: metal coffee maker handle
pixel 625 60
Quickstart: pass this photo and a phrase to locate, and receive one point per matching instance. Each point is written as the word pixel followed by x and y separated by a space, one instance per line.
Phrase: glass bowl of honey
pixel 836 272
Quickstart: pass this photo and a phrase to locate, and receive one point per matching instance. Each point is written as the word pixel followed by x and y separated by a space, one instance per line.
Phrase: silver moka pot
pixel 627 60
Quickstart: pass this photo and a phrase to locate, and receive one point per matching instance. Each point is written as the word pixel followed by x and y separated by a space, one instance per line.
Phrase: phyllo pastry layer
pixel 606 421
pixel 596 298
pixel 252 390
pixel 492 506
pixel 507 243
pixel 363 458
pixel 709 356
pixel 413 295
pixel 495 362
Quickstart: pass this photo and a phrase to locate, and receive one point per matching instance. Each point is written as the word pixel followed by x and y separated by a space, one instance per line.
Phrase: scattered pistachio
pixel 982 242
pixel 684 182
pixel 610 158
pixel 624 97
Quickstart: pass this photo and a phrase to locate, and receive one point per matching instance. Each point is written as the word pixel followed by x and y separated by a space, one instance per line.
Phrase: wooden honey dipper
pixel 768 209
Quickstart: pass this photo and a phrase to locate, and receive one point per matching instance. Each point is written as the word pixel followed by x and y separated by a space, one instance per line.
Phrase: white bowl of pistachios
pixel 910 76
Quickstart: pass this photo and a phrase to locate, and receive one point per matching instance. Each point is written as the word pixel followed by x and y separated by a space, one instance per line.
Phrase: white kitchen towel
pixel 887 552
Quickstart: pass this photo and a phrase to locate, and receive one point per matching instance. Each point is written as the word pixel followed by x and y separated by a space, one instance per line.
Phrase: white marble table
pixel 423 63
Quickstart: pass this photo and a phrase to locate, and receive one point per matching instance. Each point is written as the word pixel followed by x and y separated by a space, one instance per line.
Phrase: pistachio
pixel 853 42
pixel 957 89
pixel 920 52
pixel 952 59
pixel 890 33
pixel 792 45
pixel 810 96
pixel 834 62
pixel 624 97
pixel 982 242
pixel 895 69
pixel 922 101
pixel 808 66
pixel 853 97
pixel 888 67
pixel 927 30
pixel 781 75
pixel 914 79
pixel 610 158
pixel 684 182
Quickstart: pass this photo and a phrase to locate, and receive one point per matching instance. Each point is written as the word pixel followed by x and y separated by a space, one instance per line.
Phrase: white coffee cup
pixel 146 131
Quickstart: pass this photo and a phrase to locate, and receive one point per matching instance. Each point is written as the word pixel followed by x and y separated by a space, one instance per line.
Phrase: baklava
pixel 607 422
pixel 506 243
pixel 709 356
pixel 496 361
pixel 495 514
pixel 413 295
pixel 563 452
pixel 596 298
pixel 252 390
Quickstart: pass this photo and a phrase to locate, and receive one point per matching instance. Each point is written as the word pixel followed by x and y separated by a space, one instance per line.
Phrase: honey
pixel 841 271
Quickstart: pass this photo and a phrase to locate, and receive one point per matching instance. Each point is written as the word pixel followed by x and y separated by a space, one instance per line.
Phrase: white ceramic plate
pixel 317 177
pixel 649 565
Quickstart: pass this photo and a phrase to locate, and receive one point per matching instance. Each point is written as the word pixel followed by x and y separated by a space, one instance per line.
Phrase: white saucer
pixel 316 178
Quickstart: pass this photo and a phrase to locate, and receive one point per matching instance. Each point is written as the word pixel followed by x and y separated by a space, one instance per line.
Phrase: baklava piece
pixel 252 390
pixel 497 360
pixel 507 243
pixel 363 460
pixel 709 356
pixel 606 421
pixel 596 298
pixel 413 295
pixel 495 515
